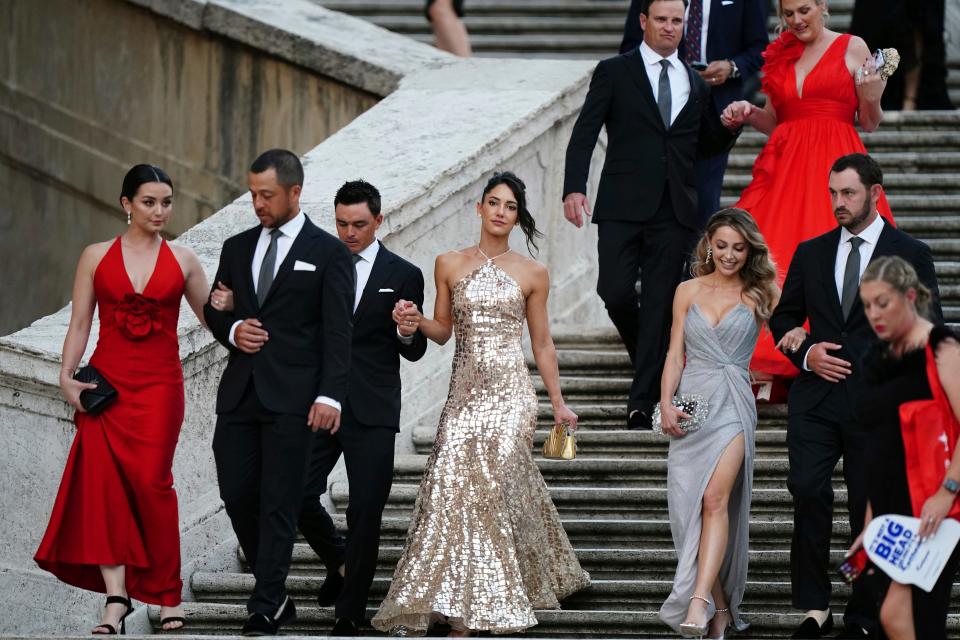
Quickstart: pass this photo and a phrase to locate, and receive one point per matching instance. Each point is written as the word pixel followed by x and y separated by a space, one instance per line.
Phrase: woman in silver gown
pixel 717 317
pixel 485 546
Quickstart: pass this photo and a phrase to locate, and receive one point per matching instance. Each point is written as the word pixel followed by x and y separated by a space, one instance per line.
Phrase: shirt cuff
pixel 328 401
pixel 233 330
pixel 404 339
pixel 805 367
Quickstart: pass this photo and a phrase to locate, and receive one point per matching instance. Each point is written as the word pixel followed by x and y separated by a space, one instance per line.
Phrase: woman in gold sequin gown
pixel 485 546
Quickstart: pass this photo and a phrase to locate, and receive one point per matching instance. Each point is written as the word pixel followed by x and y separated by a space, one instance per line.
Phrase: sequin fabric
pixel 485 546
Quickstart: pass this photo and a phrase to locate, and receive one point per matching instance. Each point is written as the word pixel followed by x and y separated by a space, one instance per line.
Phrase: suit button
pixel 843 334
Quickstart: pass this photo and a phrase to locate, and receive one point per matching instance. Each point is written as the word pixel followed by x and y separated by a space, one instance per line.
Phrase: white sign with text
pixel 893 545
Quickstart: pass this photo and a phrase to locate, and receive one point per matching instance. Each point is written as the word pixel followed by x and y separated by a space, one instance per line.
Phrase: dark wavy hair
pixel 524 218
pixel 140 174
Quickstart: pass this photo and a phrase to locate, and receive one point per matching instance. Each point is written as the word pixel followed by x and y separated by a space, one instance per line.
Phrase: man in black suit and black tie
pixel 288 333
pixel 659 120
pixel 822 286
pixel 724 41
pixel 371 410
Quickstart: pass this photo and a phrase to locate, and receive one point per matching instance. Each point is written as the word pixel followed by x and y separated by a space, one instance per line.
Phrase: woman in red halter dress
pixel 114 527
pixel 817 83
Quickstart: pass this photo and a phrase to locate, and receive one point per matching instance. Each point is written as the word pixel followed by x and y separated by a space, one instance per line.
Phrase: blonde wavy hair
pixel 899 274
pixel 759 273
pixel 782 24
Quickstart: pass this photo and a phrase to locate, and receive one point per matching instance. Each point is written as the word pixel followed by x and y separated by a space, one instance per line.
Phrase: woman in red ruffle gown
pixel 114 527
pixel 817 83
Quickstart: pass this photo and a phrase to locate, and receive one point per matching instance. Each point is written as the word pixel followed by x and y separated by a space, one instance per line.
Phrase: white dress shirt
pixel 364 266
pixel 870 236
pixel 703 29
pixel 289 231
pixel 676 74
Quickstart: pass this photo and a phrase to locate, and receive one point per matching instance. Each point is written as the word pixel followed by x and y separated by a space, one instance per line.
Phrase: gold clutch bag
pixel 560 443
pixel 887 61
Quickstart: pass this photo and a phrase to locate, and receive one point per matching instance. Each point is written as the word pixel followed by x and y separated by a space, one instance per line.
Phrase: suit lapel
pixel 302 241
pixel 694 96
pixel 378 273
pixel 637 70
pixel 245 281
pixel 828 262
pixel 886 246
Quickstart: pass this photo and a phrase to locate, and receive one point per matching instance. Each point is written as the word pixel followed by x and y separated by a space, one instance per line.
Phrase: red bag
pixel 929 430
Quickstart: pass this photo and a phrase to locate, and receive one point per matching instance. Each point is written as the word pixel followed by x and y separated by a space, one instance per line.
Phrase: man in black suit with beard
pixel 822 286
pixel 288 333
pixel 371 410
pixel 659 120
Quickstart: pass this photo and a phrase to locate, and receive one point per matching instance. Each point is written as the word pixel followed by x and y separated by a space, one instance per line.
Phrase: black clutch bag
pixel 95 400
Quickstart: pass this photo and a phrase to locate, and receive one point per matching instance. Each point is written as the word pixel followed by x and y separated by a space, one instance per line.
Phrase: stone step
pixel 606 502
pixel 619 442
pixel 585 531
pixel 927 183
pixel 621 471
pixel 900 161
pixel 226 619
pixel 615 594
pixel 653 561
pixel 881 139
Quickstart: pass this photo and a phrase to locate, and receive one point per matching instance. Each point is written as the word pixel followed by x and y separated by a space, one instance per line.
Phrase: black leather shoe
pixel 810 629
pixel 639 420
pixel 344 628
pixel 330 589
pixel 853 631
pixel 260 625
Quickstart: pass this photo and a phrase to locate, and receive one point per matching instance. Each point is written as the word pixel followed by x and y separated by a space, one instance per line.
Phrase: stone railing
pixel 429 146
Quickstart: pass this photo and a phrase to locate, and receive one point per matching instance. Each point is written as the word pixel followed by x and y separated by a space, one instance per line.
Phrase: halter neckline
pixel 489 259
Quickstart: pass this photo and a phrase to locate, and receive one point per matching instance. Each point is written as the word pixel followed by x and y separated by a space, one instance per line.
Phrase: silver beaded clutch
pixel 691 404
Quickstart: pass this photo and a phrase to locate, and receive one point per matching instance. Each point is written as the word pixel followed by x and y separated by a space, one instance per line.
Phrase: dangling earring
pixel 128 217
pixel 709 255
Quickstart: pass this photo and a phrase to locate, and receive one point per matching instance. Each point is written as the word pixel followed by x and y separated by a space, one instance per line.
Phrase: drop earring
pixel 128 217
pixel 709 255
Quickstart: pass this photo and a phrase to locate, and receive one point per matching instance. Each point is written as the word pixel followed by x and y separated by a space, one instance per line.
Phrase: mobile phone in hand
pixel 853 566
pixel 698 66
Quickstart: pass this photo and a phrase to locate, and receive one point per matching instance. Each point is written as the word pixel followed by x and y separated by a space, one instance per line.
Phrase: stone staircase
pixel 546 28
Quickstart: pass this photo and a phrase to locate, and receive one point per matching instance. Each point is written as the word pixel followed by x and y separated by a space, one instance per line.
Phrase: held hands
pixel 736 114
pixel 870 84
pixel 826 366
pixel 407 317
pixel 221 298
pixel 323 416
pixel 792 340
pixel 71 390
pixel 574 206
pixel 563 415
pixel 250 336
pixel 934 510
pixel 670 417
pixel 717 72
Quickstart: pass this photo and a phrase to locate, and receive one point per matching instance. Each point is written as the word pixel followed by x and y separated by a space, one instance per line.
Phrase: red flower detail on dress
pixel 778 57
pixel 137 316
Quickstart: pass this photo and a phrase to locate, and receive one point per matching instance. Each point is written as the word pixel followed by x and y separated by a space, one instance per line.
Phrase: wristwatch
pixel 951 485
pixel 734 71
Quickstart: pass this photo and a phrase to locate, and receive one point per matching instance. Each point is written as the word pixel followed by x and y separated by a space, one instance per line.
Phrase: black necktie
pixel 356 276
pixel 267 267
pixel 664 99
pixel 851 276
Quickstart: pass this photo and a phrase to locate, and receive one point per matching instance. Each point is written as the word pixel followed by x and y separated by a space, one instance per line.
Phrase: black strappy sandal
pixel 110 629
pixel 172 619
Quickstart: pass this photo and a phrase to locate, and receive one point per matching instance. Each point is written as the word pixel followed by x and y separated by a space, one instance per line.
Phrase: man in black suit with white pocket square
pixel 288 331
pixel 371 410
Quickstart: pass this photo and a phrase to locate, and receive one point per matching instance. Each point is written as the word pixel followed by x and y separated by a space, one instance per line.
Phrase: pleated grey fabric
pixel 717 368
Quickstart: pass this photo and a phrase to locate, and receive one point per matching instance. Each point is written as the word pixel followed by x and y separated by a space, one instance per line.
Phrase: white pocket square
pixel 304 266
pixel 385 291
pixel 726 3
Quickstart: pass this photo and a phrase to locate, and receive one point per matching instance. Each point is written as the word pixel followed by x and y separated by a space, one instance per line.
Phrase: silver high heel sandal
pixel 689 629
pixel 723 634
